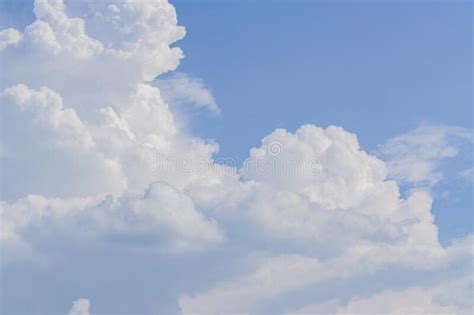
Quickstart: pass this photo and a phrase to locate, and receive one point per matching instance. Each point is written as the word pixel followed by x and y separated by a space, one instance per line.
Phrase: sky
pixel 377 68
pixel 270 157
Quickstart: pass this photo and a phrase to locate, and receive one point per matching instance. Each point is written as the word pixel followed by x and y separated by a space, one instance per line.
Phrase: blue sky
pixel 99 223
pixel 376 68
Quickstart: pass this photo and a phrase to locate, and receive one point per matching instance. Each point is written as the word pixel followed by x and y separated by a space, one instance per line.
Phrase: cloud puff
pixel 54 152
pixel 182 88
pixel 9 37
pixel 317 184
pixel 93 55
pixel 80 307
pixel 102 182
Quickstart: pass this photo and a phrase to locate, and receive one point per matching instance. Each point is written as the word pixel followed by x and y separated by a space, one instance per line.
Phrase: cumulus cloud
pixel 344 218
pixel 108 196
pixel 163 218
pixel 92 55
pixel 54 153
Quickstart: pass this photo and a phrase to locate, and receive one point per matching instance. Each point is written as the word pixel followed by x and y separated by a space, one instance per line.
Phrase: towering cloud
pixel 106 196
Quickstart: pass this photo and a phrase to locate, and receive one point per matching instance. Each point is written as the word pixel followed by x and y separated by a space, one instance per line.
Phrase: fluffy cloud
pixel 96 57
pixel 80 307
pixel 163 217
pixel 304 188
pixel 109 197
pixel 8 37
pixel 53 153
pixel 315 192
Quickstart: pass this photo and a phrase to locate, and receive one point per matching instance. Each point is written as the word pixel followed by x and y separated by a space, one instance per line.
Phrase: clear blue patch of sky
pixel 376 68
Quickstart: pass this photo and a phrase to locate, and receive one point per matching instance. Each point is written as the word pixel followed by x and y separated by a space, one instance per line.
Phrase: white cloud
pixel 346 221
pixel 287 276
pixel 411 301
pixel 103 183
pixel 434 299
pixel 60 34
pixel 90 55
pixel 414 157
pixel 80 307
pixel 54 152
pixel 183 88
pixel 8 37
pixel 163 217
pixel 319 184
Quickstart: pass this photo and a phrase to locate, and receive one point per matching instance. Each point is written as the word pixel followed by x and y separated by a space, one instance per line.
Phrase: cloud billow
pixel 87 203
